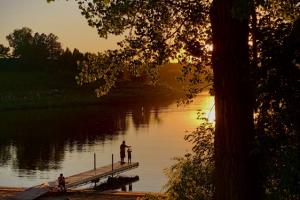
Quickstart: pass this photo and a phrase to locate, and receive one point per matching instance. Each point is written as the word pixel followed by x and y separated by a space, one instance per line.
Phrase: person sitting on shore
pixel 61 183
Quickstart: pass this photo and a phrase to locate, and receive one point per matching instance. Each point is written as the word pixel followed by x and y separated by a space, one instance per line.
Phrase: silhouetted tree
pixel 66 58
pixel 77 55
pixel 277 107
pixel 46 46
pixel 21 42
pixel 4 51
pixel 37 46
pixel 276 122
pixel 234 101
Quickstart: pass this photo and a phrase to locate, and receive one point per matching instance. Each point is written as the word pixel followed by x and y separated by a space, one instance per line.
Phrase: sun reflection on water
pixel 210 114
pixel 205 108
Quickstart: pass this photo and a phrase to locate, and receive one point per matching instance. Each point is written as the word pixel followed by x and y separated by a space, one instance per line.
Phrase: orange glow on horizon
pixel 62 18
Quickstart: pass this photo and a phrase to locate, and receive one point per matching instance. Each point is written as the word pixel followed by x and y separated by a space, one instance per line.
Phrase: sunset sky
pixel 61 17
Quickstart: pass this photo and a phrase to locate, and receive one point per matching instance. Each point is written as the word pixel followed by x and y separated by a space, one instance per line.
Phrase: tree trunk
pixel 235 177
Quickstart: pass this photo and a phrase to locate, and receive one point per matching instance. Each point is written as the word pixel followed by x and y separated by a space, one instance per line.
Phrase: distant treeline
pixel 38 47
pixel 36 72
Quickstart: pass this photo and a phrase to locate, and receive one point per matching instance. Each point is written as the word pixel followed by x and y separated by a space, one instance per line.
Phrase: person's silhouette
pixel 129 154
pixel 123 146
pixel 61 183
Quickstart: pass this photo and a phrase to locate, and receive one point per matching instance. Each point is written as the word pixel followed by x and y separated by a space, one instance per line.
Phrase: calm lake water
pixel 37 145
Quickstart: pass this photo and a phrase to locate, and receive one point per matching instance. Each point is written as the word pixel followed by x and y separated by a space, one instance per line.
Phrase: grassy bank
pixel 25 86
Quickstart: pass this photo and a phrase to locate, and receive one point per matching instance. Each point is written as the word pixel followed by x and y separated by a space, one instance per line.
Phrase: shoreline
pixel 78 194
pixel 128 94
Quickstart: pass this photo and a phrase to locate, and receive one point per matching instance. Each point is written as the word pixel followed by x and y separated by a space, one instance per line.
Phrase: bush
pixel 191 177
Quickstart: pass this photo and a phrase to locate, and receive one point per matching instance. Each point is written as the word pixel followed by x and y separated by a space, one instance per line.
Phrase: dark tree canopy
pixel 21 42
pixel 156 31
pixel 38 46
pixel 277 108
pixel 46 46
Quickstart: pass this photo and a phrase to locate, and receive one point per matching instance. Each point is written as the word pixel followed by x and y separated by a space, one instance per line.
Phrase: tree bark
pixel 235 177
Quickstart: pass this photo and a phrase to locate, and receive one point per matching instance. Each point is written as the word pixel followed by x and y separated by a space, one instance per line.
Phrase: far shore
pixel 48 85
pixel 126 94
pixel 86 194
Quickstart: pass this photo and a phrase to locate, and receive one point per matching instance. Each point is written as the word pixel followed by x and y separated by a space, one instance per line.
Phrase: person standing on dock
pixel 129 154
pixel 123 146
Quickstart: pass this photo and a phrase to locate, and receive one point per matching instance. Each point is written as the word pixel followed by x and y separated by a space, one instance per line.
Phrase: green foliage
pixel 156 32
pixel 100 68
pixel 277 105
pixel 191 177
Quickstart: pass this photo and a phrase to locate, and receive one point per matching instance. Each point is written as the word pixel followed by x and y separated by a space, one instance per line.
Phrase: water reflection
pixel 37 145
pixel 38 139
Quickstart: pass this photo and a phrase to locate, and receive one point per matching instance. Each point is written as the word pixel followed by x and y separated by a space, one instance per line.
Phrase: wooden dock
pixel 76 180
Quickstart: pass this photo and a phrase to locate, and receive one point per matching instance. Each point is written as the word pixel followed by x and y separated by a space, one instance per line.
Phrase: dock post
pixel 112 165
pixel 95 161
pixel 95 168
